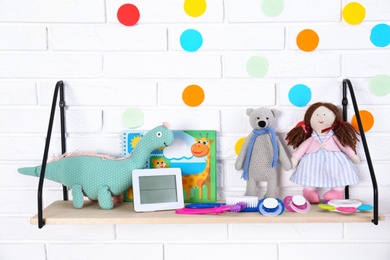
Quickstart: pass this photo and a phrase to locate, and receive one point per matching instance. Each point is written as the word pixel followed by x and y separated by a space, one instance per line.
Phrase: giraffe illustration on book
pixel 201 148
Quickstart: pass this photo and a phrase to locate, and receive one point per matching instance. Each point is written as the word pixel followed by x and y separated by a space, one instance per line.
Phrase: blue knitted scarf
pixel 257 133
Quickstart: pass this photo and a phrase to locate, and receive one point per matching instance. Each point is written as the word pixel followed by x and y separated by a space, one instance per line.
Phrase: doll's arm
pixel 294 162
pixel 239 165
pixel 355 158
pixel 301 151
pixel 347 150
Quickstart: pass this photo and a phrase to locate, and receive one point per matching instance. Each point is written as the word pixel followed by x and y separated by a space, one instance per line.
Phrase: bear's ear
pixel 249 111
pixel 274 112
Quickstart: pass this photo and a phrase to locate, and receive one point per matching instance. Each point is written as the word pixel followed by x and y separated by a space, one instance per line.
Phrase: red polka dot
pixel 128 14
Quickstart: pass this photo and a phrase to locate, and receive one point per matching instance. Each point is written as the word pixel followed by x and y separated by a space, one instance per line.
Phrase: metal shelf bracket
pixel 59 88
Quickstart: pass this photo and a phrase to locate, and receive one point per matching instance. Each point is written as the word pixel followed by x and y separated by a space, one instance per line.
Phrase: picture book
pixel 193 151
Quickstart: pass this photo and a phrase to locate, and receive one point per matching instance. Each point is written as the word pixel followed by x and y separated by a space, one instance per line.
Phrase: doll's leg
pixel 335 194
pixel 310 193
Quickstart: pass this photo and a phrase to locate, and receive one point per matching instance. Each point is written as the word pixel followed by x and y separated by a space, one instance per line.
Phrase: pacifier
pixel 270 207
pixel 345 206
pixel 297 203
pixel 345 203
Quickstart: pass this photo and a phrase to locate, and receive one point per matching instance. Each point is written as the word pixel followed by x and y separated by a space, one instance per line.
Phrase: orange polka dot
pixel 307 40
pixel 193 95
pixel 367 121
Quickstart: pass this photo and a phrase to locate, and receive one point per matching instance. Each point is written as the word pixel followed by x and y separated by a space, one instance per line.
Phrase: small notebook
pixel 193 151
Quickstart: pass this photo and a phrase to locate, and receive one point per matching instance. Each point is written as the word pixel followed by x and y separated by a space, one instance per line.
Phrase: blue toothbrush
pixel 204 205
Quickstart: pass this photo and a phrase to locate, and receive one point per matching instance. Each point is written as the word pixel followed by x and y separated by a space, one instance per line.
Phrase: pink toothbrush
pixel 233 208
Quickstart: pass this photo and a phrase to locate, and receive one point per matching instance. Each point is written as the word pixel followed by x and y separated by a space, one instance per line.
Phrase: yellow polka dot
pixel 354 13
pixel 239 144
pixel 195 8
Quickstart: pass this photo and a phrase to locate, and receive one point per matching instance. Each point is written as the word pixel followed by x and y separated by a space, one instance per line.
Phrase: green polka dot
pixel 132 118
pixel 380 85
pixel 272 8
pixel 257 67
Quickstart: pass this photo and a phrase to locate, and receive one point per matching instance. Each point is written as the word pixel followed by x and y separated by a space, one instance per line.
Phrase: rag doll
pixel 325 152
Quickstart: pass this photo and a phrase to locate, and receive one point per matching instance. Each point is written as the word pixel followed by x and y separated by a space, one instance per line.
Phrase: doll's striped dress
pixel 325 168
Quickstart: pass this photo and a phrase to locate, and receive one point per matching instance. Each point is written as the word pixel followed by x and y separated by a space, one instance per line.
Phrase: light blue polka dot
pixel 380 35
pixel 299 95
pixel 191 40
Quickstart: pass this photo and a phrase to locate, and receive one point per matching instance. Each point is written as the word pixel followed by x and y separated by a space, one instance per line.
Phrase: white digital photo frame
pixel 157 189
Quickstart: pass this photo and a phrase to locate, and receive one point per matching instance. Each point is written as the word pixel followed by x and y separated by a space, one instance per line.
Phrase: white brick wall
pixel 294 11
pixel 335 38
pixel 366 64
pixel 49 65
pixel 162 65
pixel 18 93
pixel 108 68
pixel 232 37
pixel 56 11
pixel 105 250
pixel 105 37
pixel 23 38
pixel 286 64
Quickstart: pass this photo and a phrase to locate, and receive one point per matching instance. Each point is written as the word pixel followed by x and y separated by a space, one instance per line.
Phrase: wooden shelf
pixel 62 212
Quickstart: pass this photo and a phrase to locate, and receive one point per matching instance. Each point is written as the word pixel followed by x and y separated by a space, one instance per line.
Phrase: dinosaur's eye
pixel 267 118
pixel 205 142
pixel 159 134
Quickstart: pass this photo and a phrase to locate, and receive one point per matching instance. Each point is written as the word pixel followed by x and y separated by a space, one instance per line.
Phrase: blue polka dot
pixel 299 95
pixel 380 35
pixel 191 40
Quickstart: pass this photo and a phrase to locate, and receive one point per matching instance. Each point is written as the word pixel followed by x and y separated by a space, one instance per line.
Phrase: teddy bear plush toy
pixel 325 152
pixel 260 152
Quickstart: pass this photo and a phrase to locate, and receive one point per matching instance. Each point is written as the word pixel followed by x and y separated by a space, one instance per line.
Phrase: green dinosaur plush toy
pixel 98 177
